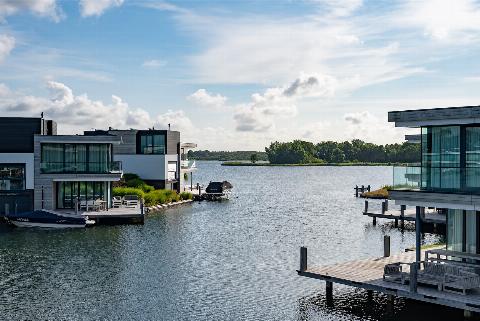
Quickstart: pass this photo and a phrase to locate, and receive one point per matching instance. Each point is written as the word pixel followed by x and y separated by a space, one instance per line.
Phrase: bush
pixel 161 196
pixel 122 191
pixel 134 182
pixel 130 176
pixel 147 188
pixel 186 196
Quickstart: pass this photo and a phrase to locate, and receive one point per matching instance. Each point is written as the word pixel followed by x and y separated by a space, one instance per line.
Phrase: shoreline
pixel 309 164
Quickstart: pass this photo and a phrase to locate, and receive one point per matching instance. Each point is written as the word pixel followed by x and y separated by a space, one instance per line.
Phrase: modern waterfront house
pixel 42 172
pixel 154 155
pixel 447 180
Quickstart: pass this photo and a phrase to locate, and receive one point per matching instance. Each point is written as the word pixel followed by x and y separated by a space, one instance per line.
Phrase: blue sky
pixel 236 75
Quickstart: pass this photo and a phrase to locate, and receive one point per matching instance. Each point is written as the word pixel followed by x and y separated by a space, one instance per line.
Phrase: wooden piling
pixel 329 292
pixel 384 207
pixel 413 277
pixel 402 214
pixel 368 188
pixel 374 221
pixel 303 259
pixel 366 206
pixel 386 245
pixel 356 190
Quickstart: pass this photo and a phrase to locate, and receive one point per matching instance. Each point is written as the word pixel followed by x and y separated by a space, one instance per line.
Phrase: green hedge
pixel 155 197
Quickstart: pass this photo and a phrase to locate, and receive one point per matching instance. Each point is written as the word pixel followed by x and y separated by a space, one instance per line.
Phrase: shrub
pixel 122 191
pixel 186 196
pixel 129 176
pixel 161 196
pixel 147 188
pixel 135 182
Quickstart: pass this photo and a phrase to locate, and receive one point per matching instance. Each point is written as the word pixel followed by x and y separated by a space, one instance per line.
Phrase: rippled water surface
pixel 233 260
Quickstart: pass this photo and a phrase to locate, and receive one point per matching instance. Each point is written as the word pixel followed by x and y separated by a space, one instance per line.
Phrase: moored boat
pixel 218 191
pixel 45 219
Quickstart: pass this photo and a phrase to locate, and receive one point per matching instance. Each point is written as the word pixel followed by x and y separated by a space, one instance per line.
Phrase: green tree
pixel 253 158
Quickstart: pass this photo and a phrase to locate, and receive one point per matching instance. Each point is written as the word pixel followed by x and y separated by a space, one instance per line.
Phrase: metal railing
pixel 85 168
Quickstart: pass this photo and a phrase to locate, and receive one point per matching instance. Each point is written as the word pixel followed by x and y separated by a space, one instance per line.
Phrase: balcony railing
pixel 407 177
pixel 188 164
pixel 437 179
pixel 81 168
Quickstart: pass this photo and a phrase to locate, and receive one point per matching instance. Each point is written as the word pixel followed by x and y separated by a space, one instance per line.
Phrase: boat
pixel 218 191
pixel 45 219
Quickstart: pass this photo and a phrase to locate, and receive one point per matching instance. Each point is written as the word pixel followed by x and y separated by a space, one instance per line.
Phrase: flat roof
pixel 435 116
pixel 78 139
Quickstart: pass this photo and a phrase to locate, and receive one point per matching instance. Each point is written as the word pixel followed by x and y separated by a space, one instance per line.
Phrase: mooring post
pixel 363 188
pixel 413 277
pixel 418 234
pixel 386 245
pixel 329 292
pixel 356 190
pixel 402 215
pixel 368 188
pixel 384 207
pixel 366 206
pixel 374 221
pixel 303 259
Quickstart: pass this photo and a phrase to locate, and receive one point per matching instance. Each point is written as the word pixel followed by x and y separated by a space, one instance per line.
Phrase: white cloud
pixel 42 8
pixel 205 99
pixel 259 114
pixel 341 7
pixel 442 20
pixel 154 63
pixel 76 113
pixel 7 43
pixel 90 8
pixel 4 90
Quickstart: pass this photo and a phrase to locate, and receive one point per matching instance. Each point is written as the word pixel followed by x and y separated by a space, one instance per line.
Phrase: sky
pixel 238 74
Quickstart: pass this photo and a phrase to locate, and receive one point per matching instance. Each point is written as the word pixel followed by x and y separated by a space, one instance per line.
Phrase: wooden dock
pixel 114 216
pixel 368 274
pixel 404 214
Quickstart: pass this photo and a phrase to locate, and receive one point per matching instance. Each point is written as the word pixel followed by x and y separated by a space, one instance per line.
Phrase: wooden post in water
pixel 402 214
pixel 303 259
pixel 384 207
pixel 366 206
pixel 386 245
pixel 413 277
pixel 368 188
pixel 363 188
pixel 356 190
pixel 329 292
pixel 418 234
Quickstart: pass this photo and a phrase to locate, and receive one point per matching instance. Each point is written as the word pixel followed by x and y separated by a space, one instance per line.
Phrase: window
pixel 12 177
pixel 70 192
pixel 151 143
pixel 441 157
pixel 455 230
pixel 172 171
pixel 472 157
pixel 76 158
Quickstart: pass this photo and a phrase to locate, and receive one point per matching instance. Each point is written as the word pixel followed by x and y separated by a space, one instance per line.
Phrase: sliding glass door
pixel 462 230
pixel 69 192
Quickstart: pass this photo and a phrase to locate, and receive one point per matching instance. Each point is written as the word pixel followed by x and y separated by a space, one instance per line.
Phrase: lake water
pixel 234 260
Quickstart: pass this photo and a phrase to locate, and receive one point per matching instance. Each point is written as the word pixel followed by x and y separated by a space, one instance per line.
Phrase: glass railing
pixel 85 168
pixel 187 164
pixel 407 177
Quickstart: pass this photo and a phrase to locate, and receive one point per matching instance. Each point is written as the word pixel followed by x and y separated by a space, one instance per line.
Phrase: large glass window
pixel 152 144
pixel 471 231
pixel 441 157
pixel 455 230
pixel 74 158
pixel 12 177
pixel 82 192
pixel 472 157
pixel 172 171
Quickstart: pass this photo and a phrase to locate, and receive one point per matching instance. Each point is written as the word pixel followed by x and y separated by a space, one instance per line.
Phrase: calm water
pixel 234 260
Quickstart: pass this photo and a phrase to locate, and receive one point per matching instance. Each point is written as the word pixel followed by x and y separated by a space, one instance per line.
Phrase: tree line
pixel 302 152
pixel 226 155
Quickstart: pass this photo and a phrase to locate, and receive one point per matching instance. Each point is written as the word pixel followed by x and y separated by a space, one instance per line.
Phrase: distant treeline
pixel 226 156
pixel 302 152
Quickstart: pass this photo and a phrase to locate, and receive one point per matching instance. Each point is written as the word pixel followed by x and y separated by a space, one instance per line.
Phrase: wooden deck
pixel 114 216
pixel 431 217
pixel 368 274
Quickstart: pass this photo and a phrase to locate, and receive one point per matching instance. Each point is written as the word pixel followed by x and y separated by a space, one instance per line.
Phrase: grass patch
pixel 381 193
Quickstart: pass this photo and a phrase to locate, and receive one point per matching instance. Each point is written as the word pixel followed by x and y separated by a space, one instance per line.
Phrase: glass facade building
pixel 451 159
pixel 76 158
pixel 151 143
pixel 70 192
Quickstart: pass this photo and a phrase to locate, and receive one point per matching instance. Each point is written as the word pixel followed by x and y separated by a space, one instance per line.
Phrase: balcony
pixel 407 177
pixel 114 167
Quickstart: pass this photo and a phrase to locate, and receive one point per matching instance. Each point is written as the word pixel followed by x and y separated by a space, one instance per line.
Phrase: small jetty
pixel 359 190
pixel 432 220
